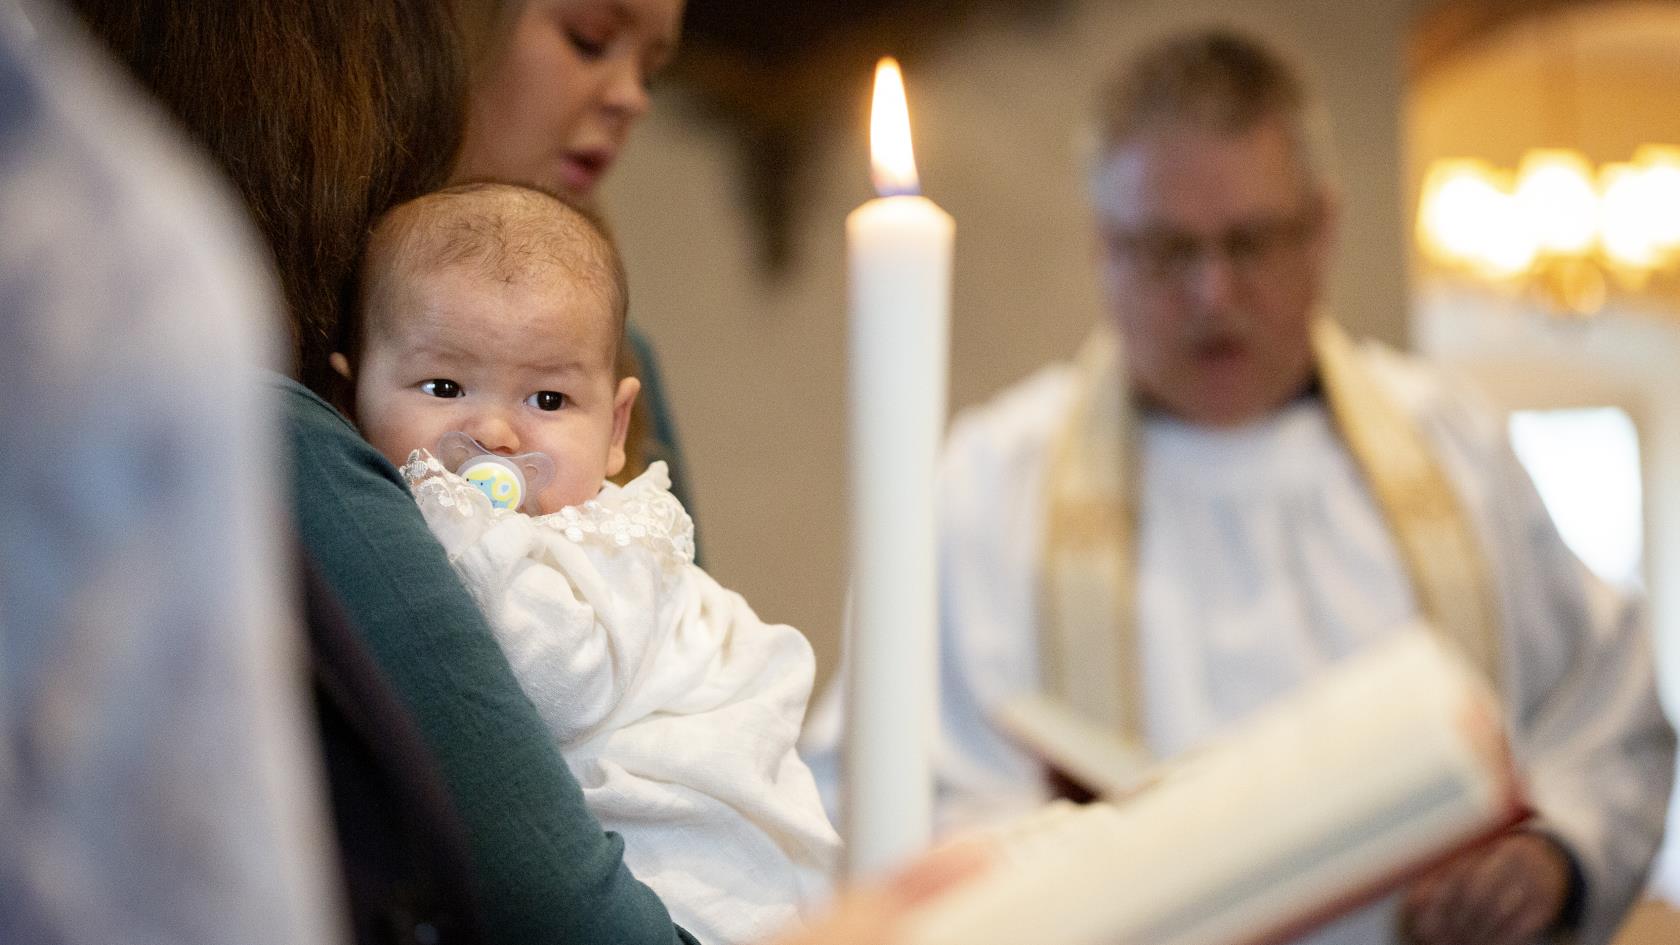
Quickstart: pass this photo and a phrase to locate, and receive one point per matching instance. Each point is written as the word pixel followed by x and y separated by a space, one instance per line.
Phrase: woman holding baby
pixel 325 115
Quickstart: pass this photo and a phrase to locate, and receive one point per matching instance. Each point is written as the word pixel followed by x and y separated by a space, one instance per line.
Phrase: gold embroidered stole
pixel 1088 647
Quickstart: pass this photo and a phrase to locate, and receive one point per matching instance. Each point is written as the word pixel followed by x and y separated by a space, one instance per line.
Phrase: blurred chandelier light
pixel 1557 226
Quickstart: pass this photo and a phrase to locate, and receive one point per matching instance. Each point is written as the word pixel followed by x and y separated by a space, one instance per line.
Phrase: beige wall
pixel 1602 79
pixel 755 367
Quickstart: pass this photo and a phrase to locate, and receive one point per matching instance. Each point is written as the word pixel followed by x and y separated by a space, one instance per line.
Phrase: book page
pixel 1339 791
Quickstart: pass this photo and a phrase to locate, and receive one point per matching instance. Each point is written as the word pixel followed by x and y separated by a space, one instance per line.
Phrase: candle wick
pixel 898 190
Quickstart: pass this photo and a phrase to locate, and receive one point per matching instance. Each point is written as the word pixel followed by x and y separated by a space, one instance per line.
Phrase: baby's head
pixel 495 310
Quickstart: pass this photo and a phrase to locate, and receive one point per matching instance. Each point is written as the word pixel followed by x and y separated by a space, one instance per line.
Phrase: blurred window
pixel 1585 463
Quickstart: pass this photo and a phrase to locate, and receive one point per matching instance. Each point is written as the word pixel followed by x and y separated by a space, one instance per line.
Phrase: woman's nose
pixel 626 93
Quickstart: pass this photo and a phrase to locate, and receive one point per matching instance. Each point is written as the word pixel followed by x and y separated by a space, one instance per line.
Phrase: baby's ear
pixel 624 400
pixel 341 365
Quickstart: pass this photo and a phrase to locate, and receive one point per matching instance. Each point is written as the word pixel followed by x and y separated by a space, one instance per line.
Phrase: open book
pixel 1390 762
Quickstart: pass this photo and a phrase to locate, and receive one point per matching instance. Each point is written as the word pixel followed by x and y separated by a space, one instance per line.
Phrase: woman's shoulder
pixel 302 408
pixel 327 453
pixel 351 507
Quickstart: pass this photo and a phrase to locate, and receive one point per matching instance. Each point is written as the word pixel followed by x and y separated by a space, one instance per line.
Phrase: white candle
pixel 899 278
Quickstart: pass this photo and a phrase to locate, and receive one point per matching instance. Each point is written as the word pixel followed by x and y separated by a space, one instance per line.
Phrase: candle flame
pixel 892 160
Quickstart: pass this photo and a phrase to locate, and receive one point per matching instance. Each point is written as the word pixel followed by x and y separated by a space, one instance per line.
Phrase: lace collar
pixel 643 512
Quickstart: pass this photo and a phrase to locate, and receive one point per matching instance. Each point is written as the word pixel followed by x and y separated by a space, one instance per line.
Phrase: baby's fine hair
pixel 503 232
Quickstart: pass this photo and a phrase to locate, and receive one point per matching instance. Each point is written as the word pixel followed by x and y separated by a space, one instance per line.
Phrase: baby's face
pixel 522 367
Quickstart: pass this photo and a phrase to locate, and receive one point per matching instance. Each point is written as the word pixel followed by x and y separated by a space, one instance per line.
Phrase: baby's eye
pixel 547 400
pixel 441 387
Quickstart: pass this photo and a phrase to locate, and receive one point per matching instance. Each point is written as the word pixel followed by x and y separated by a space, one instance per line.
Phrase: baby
pixel 491 320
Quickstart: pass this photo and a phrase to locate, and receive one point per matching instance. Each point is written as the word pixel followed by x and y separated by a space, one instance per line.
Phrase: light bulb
pixel 1556 199
pixel 1629 231
pixel 1469 218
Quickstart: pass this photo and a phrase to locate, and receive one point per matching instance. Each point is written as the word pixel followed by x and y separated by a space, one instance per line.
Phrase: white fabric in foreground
pixel 1262 557
pixel 674 705
pixel 160 778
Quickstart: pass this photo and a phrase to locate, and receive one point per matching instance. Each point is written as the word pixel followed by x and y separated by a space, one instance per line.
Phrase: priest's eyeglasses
pixel 1256 249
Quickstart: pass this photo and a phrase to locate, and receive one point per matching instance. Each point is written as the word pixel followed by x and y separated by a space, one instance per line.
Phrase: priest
pixel 1224 493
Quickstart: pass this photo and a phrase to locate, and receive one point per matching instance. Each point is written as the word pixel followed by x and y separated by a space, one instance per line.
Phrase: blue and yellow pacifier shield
pixel 499 481
pixel 509 482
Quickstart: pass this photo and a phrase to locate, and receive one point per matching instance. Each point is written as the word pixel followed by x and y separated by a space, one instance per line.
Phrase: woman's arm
pixel 545 871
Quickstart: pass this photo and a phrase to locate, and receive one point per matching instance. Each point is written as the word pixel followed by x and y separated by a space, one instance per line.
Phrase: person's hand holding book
pixel 876 915
pixel 1507 892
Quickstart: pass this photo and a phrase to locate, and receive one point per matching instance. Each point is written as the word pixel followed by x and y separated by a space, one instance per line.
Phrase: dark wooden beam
pixel 774 73
pixel 1448 29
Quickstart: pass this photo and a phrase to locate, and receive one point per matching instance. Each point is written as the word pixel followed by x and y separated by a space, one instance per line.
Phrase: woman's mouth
pixel 580 171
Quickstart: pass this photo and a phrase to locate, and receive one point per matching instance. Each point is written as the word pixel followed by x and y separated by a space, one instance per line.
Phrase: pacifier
pixel 509 482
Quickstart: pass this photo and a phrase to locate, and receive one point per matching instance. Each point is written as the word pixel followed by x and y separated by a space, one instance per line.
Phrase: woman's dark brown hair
pixel 324 113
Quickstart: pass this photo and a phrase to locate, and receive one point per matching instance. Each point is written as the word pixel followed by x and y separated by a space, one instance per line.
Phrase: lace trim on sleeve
pixel 644 512
pixel 435 487
pixel 641 513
